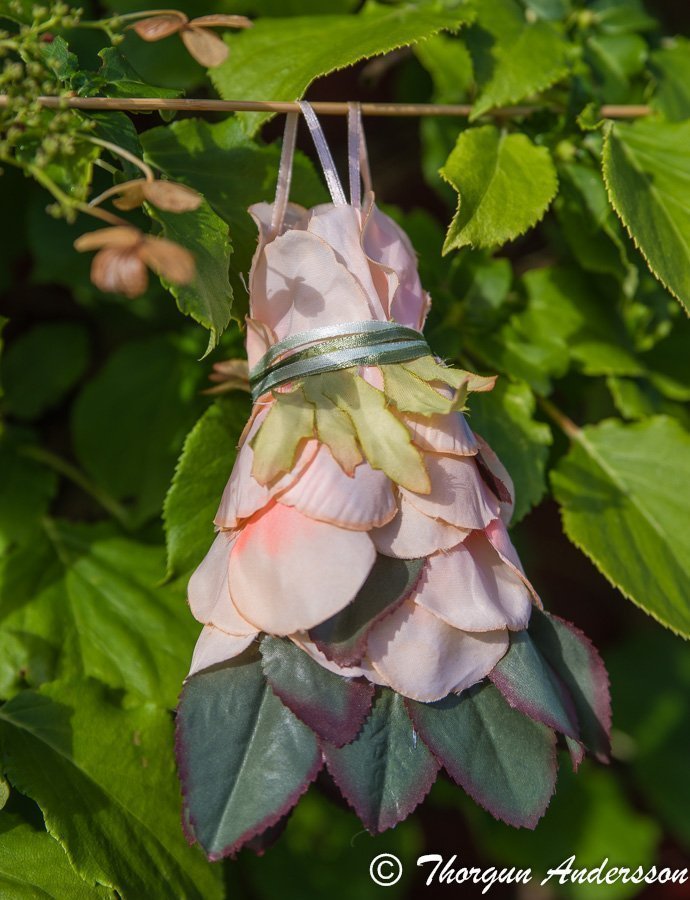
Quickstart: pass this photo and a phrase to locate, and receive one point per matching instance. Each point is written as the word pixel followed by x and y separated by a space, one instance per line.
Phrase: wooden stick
pixel 148 104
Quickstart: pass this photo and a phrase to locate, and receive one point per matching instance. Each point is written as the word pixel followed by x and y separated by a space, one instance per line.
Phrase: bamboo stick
pixel 149 104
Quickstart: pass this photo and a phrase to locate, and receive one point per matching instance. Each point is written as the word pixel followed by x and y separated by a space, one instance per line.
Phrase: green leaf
pixel 448 62
pixel 564 322
pixel 671 68
pixel 505 419
pixel 529 685
pixel 201 474
pixel 589 811
pixel 650 683
pixel 623 495
pixel 118 78
pixel 577 663
pixel 90 602
pixel 513 57
pixel 42 365
pixel 232 172
pixel 26 489
pixel 622 16
pixel 343 637
pixel 278 60
pixel 33 865
pixel 245 758
pixel 647 172
pixel 503 760
pixel 504 183
pixel 103 777
pixel 386 772
pixel 590 226
pixel 129 422
pixel 385 441
pixel 333 706
pixel 289 423
pixel 208 299
pixel 638 398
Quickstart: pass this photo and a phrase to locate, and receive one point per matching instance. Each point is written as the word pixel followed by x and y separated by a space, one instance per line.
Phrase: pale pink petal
pixel 423 658
pixel 289 572
pixel 243 495
pixel 449 434
pixel 324 492
pixel 301 285
pixel 208 593
pixel 215 646
pixel 259 339
pixel 340 227
pixel 411 534
pixel 458 494
pixel 472 588
pixel 373 376
pixel 363 670
pixel 504 488
pixel 497 533
pixel 387 244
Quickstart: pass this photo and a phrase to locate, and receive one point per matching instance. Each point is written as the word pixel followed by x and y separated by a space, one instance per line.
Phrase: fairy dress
pixel 362 566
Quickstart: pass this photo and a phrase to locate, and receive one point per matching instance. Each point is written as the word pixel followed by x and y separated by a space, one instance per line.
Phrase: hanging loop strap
pixel 354 153
pixel 284 173
pixel 335 347
pixel 327 164
pixel 357 155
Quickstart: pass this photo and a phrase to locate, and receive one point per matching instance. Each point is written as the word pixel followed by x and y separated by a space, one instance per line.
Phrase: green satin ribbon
pixel 335 347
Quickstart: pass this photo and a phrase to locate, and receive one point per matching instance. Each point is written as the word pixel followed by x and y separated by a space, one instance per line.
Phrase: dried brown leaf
pixel 206 47
pixel 168 259
pixel 119 271
pixel 170 196
pixel 116 236
pixel 158 27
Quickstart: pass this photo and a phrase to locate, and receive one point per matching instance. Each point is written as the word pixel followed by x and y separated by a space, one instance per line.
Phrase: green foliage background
pixel 556 247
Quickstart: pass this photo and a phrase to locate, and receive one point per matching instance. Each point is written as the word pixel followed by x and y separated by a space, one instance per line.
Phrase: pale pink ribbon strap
pixel 327 164
pixel 284 173
pixel 358 160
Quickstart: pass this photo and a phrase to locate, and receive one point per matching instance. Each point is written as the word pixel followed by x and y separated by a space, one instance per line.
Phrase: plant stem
pixel 125 154
pixel 566 424
pixel 62 467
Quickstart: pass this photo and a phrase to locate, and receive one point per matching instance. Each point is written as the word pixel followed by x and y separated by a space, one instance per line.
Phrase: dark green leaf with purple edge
pixel 386 772
pixel 333 706
pixel 576 661
pixel 244 758
pixel 343 638
pixel 504 760
pixel 530 685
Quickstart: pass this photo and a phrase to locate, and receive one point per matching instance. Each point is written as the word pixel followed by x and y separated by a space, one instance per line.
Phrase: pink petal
pixel 425 659
pixel 448 434
pixel 324 492
pixel 302 285
pixel 340 227
pixel 364 670
pixel 259 339
pixel 497 533
pixel 411 534
pixel 388 245
pixel 499 471
pixel 243 495
pixel 215 646
pixel 471 588
pixel 208 593
pixel 458 494
pixel 289 572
